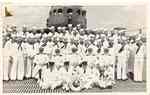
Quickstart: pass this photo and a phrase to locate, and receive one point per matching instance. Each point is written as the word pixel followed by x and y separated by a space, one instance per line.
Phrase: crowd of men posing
pixel 71 57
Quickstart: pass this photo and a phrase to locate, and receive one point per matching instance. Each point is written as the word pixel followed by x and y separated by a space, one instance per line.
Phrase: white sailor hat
pixel 9 29
pixel 131 40
pixel 24 26
pixel 34 27
pixel 87 29
pixel 69 25
pixel 59 28
pixel 91 36
pixel 14 26
pixel 95 29
pixel 104 29
pixel 121 31
pixel 74 28
pixel 64 28
pixel 52 27
pixel 111 38
pixel 102 35
pixel 81 29
pixel 78 24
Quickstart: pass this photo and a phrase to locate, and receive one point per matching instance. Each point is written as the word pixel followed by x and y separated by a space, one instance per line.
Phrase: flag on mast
pixel 7 13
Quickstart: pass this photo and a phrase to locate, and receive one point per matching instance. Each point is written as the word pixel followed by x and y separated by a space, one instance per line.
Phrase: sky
pixel 97 16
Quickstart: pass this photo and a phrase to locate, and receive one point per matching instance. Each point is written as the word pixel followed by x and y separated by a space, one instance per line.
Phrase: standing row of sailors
pixel 59 50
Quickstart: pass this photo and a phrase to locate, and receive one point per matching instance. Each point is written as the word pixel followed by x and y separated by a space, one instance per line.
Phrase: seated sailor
pixel 50 77
pixel 40 61
pixel 66 73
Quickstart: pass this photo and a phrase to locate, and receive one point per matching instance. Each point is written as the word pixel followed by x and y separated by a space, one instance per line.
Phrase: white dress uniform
pixel 74 59
pixel 68 36
pixel 89 77
pixel 63 50
pixel 20 62
pixel 50 79
pixel 53 50
pixel 133 48
pixel 65 76
pixel 13 73
pixel 50 34
pixel 91 59
pixel 81 50
pixel 59 60
pixel 36 47
pixel 113 55
pixel 86 37
pixel 107 77
pixel 30 54
pixel 138 64
pixel 49 48
pixel 6 51
pixel 38 35
pixel 60 45
pixel 105 44
pixel 122 64
pixel 56 35
pixel 25 55
pixel 45 35
pixel 20 59
pixel 40 60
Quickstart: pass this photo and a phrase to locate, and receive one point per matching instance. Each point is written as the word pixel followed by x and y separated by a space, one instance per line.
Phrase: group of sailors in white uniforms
pixel 70 55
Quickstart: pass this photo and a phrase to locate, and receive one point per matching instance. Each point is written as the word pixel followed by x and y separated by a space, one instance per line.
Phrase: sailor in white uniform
pixel 30 55
pixel 7 59
pixel 90 58
pixel 81 49
pixel 123 56
pixel 50 77
pixel 106 72
pixel 40 61
pixel 90 75
pixel 25 54
pixel 139 61
pixel 36 46
pixel 49 48
pixel 13 73
pixel 65 73
pixel 74 58
pixel 69 47
pixel 20 62
pixel 58 59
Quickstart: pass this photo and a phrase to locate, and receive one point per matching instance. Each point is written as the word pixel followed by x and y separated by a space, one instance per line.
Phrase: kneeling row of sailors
pixel 51 74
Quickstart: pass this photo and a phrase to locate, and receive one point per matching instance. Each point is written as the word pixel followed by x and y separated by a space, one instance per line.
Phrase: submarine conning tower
pixel 64 15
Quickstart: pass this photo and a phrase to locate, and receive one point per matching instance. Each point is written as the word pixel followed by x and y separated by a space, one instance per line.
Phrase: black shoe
pixel 118 79
pixel 109 87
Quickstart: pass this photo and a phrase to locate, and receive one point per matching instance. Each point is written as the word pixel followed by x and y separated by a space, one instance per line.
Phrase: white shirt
pixel 58 59
pixel 64 74
pixel 74 59
pixel 41 59
pixel 48 48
